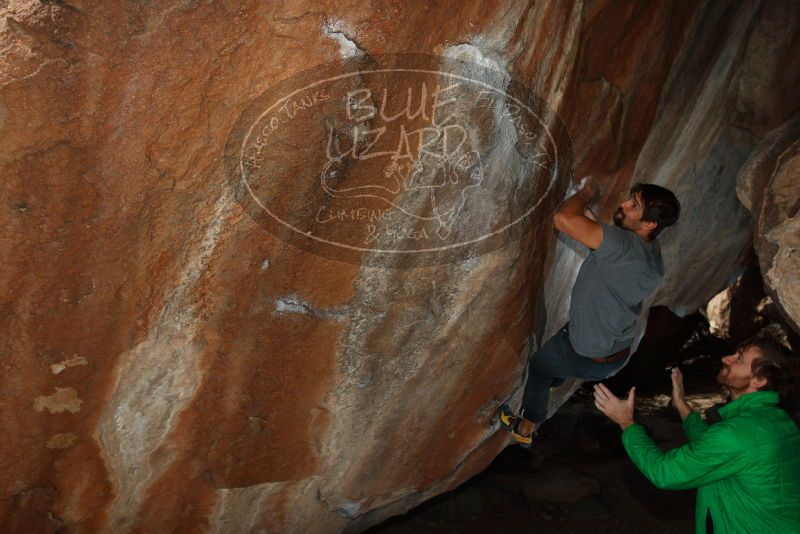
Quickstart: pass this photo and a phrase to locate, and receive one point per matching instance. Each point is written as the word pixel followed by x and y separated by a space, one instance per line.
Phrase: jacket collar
pixel 749 401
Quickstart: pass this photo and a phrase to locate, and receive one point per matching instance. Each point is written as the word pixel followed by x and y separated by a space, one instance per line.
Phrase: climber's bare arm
pixel 572 220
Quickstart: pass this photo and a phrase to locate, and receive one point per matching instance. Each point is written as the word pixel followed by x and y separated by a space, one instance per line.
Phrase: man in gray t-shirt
pixel 607 296
pixel 623 268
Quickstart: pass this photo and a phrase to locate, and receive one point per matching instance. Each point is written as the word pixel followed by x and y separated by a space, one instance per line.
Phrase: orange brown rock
pixel 169 365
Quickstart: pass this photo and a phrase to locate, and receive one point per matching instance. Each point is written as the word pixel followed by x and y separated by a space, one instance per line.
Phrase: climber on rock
pixel 745 465
pixel 622 269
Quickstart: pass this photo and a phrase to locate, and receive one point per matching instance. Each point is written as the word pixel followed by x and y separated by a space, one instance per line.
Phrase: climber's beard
pixel 619 217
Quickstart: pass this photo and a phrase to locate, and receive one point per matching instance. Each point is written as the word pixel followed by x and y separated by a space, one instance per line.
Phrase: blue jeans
pixel 555 361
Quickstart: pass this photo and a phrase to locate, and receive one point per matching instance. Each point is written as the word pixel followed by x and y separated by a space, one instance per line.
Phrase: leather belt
pixel 614 357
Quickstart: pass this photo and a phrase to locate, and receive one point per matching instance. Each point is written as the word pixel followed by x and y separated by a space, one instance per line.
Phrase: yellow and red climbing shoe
pixel 507 417
pixel 522 440
pixel 510 422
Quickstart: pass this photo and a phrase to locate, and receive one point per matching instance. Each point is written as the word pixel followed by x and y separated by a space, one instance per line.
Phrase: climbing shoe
pixel 510 421
pixel 507 417
pixel 523 440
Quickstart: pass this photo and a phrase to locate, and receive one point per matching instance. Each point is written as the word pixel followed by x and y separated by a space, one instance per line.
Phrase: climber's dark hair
pixel 661 206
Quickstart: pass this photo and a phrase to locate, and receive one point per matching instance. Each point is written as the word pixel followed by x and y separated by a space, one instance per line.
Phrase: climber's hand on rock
pixel 618 410
pixel 581 187
pixel 589 186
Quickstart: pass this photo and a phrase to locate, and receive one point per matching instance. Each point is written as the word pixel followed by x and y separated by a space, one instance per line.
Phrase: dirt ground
pixel 575 479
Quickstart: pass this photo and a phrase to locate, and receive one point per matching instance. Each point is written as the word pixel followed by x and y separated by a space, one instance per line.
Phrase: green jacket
pixel 746 468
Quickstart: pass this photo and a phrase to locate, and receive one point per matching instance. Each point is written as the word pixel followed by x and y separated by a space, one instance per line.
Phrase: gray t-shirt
pixel 608 293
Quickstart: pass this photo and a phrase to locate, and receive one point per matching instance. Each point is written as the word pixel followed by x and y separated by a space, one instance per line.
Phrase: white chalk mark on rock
pixel 62 441
pixel 337 30
pixel 293 304
pixel 57 368
pixel 63 400
pixel 158 378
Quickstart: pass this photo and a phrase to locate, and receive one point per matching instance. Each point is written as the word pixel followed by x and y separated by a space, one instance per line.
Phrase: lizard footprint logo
pixel 427 177
pixel 398 160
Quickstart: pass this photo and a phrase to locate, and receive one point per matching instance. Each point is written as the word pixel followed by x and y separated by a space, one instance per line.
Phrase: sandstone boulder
pixel 172 363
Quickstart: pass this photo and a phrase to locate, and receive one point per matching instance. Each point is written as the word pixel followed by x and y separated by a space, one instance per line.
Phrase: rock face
pixel 768 186
pixel 170 364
